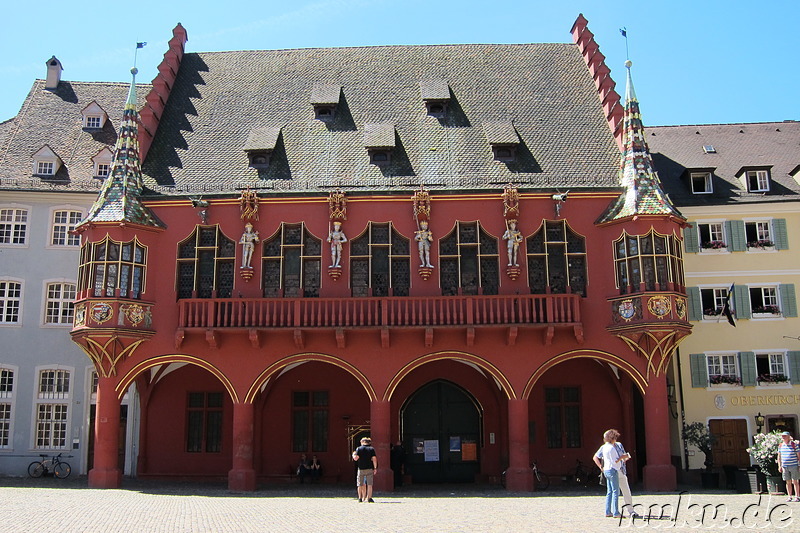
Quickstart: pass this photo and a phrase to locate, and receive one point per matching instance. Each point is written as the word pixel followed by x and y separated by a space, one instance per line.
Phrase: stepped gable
pixel 677 150
pixel 53 118
pixel 544 90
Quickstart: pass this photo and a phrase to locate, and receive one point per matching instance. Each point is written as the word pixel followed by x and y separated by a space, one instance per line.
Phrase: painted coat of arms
pixel 626 309
pixel 102 312
pixel 660 306
pixel 680 308
pixel 134 313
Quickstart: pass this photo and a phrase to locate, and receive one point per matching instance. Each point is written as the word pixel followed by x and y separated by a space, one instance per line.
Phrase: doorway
pixel 441 430
pixel 732 442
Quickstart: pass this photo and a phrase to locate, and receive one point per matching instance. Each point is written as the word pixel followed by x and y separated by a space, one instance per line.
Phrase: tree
pixel 699 435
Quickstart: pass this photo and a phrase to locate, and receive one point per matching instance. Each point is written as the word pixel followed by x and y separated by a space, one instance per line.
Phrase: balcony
pixel 512 311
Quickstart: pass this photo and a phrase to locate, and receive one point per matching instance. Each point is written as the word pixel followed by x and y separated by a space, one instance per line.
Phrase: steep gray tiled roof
pixel 434 89
pixel 544 89
pixel 262 139
pixel 500 133
pixel 54 118
pixel 676 149
pixel 379 135
pixel 325 93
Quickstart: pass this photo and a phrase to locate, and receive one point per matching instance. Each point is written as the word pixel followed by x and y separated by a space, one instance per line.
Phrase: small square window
pixel 759 235
pixel 712 236
pixel 764 302
pixel 380 157
pixel 94 123
pixel 103 169
pixel 757 180
pixel 506 154
pixel 45 168
pixel 701 183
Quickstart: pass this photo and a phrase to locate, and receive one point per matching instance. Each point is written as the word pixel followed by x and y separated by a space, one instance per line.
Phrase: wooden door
pixel 732 442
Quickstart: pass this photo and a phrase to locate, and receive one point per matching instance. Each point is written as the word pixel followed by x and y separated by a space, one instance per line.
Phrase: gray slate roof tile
pixel 678 149
pixel 545 89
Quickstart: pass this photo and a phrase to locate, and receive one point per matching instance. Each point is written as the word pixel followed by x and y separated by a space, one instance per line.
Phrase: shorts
pixel 791 473
pixel 364 477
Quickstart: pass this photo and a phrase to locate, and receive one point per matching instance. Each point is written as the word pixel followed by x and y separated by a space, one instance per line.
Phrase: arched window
pixel 651 262
pixel 291 263
pixel 205 264
pixel 468 261
pixel 556 259
pixel 379 262
pixel 108 265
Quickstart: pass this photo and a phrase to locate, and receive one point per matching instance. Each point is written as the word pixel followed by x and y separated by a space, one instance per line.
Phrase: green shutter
pixel 690 239
pixel 695 303
pixel 747 368
pixel 699 369
pixel 788 299
pixel 741 301
pixel 736 235
pixel 780 237
pixel 794 367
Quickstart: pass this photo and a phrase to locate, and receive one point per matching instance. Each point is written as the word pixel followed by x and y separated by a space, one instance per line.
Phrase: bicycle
pixel 540 480
pixel 584 476
pixel 45 466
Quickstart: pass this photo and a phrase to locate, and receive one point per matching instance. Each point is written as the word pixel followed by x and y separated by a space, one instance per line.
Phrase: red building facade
pixel 294 279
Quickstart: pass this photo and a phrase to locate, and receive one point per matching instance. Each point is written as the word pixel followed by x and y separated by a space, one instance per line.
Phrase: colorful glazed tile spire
pixel 118 200
pixel 643 193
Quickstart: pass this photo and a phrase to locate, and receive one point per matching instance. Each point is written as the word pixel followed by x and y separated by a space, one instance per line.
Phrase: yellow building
pixel 737 184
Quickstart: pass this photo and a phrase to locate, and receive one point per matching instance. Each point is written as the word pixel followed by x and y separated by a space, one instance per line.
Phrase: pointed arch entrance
pixel 441 429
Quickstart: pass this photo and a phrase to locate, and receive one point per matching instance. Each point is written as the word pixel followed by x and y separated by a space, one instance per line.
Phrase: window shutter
pixel 699 369
pixel 690 239
pixel 736 235
pixel 747 368
pixel 788 299
pixel 695 303
pixel 794 367
pixel 780 236
pixel 741 301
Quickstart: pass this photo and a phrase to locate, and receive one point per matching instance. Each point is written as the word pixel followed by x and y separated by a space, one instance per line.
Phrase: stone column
pixel 659 472
pixel 242 477
pixel 519 476
pixel 105 473
pixel 380 429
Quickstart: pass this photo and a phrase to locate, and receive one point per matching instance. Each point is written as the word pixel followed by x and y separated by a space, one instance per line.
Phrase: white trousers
pixel 625 489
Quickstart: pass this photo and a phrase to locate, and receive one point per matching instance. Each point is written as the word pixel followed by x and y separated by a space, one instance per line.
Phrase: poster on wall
pixel 431 450
pixel 455 444
pixel 419 445
pixel 469 451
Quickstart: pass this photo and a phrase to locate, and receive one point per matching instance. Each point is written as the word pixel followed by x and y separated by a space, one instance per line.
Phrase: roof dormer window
pixel 261 142
pixel 325 99
pixel 754 179
pixel 379 140
pixel 503 139
pixel 700 180
pixel 46 162
pixel 94 117
pixel 436 95
pixel 101 163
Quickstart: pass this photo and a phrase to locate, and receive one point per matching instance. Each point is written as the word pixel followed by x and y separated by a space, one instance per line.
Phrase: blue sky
pixel 695 62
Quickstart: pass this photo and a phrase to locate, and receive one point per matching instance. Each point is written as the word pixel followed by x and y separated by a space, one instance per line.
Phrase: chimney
pixel 53 73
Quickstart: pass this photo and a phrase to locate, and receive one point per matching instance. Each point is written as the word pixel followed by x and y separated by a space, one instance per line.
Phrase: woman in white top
pixel 614 458
pixel 622 475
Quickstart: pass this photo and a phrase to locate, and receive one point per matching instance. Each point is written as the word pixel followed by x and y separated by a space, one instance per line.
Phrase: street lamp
pixel 759 421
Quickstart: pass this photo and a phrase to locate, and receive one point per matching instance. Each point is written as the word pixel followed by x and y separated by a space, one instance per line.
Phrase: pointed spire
pixel 118 200
pixel 643 194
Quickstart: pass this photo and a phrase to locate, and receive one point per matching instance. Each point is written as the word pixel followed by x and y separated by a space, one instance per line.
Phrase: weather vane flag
pixel 138 45
pixel 624 33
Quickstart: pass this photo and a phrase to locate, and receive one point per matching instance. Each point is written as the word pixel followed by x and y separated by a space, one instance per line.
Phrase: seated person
pixel 303 469
pixel 315 468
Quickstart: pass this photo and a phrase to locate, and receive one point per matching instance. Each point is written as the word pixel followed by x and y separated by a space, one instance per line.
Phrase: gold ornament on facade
pixel 248 204
pixel 680 308
pixel 337 205
pixel 80 315
pixel 421 211
pixel 134 313
pixel 101 312
pixel 421 202
pixel 510 202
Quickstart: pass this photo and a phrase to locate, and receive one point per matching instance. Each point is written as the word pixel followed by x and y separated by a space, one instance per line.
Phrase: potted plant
pixel 763 244
pixel 699 435
pixel 714 245
pixel 712 311
pixel 772 379
pixel 723 379
pixel 764 452
pixel 766 310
